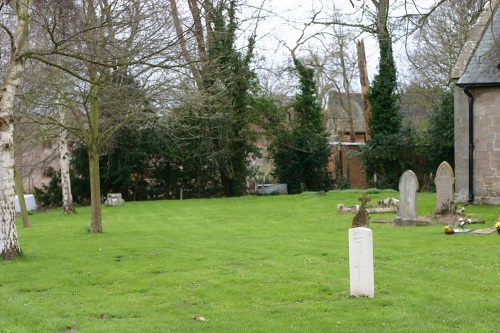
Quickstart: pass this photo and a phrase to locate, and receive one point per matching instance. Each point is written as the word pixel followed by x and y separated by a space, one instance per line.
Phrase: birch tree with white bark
pixel 18 39
pixel 64 161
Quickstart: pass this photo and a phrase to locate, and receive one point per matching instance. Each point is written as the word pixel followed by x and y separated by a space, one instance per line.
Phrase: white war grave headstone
pixel 361 262
pixel 407 212
pixel 444 188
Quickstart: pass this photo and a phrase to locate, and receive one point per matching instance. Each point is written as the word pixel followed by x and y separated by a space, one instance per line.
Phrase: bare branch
pixel 366 28
pixel 9 33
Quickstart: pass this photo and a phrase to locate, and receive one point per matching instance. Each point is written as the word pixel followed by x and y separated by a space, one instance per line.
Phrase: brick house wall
pixel 33 163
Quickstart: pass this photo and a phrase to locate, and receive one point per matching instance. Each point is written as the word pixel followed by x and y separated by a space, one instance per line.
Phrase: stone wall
pixel 486 145
pixel 461 129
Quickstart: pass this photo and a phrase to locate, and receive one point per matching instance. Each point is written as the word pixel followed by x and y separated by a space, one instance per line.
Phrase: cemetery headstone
pixel 362 218
pixel 362 281
pixel 407 212
pixel 114 199
pixel 444 188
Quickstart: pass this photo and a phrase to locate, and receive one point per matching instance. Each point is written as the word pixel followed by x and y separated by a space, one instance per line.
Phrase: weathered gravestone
pixel 444 188
pixel 407 212
pixel 362 219
pixel 361 262
pixel 114 199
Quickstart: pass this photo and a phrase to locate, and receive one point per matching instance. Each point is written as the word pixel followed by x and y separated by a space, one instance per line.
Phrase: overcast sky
pixel 283 25
pixel 285 20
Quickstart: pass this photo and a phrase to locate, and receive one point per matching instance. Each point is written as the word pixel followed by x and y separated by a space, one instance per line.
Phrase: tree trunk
pixel 363 78
pixel 95 190
pixel 22 202
pixel 94 40
pixel 227 183
pixel 198 27
pixel 9 244
pixel 93 152
pixel 67 197
pixel 347 88
pixel 382 16
pixel 182 41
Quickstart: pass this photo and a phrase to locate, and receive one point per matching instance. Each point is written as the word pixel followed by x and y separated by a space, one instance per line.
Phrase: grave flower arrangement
pixel 498 226
pixel 448 229
pixel 462 223
pixel 460 210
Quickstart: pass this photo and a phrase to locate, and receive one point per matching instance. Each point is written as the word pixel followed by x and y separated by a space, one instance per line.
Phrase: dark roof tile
pixel 484 66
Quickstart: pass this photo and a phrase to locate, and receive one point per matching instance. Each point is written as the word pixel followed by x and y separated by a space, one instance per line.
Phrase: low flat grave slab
pixel 484 231
pixel 382 221
pixel 370 209
pixel 462 231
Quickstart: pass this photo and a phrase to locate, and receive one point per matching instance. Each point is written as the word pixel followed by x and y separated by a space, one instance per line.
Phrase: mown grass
pixel 251 264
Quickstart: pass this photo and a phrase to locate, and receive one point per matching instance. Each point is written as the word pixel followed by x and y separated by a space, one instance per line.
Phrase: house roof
pixel 482 68
pixel 337 113
pixel 338 120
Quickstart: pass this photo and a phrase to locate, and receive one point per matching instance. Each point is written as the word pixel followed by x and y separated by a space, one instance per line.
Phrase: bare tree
pixel 347 65
pixel 104 55
pixel 219 86
pixel 396 20
pixel 436 45
pixel 18 38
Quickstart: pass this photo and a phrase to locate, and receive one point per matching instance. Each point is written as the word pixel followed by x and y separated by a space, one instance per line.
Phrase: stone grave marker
pixel 114 199
pixel 361 262
pixel 407 212
pixel 362 219
pixel 444 188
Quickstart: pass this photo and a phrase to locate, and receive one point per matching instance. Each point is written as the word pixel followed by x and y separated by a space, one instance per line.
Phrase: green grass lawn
pixel 251 264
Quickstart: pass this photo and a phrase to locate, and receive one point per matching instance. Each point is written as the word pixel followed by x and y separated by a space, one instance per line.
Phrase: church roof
pixel 483 63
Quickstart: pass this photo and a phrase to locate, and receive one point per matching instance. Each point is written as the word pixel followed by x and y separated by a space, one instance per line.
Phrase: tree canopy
pixel 300 151
pixel 161 97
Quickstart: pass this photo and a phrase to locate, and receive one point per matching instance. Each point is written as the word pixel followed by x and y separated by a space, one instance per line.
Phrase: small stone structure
pixel 341 208
pixel 407 212
pixel 361 271
pixel 389 202
pixel 267 189
pixel 388 205
pixel 114 199
pixel 444 188
pixel 362 219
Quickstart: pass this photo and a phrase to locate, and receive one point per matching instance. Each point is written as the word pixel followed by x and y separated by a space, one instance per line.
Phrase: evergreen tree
pixel 383 155
pixel 301 152
pixel 441 141
pixel 385 118
pixel 217 128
